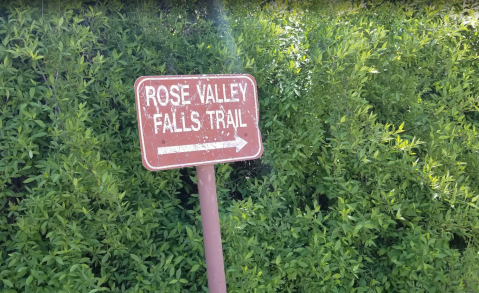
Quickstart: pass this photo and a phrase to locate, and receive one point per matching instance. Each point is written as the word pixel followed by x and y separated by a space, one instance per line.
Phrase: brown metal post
pixel 211 229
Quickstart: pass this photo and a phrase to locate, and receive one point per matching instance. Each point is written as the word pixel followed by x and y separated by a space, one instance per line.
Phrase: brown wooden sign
pixel 196 120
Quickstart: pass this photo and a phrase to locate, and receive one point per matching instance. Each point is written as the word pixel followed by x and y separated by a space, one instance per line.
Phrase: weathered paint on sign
pixel 196 120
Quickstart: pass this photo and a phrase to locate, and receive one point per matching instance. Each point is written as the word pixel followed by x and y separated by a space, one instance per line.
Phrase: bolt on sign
pixel 196 120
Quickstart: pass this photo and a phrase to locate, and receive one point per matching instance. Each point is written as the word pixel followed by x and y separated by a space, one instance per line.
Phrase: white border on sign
pixel 206 76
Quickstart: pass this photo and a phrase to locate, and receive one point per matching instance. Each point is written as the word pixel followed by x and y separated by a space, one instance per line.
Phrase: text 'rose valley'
pixel 178 95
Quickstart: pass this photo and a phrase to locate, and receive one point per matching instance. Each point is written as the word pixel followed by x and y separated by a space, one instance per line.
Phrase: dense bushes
pixel 369 180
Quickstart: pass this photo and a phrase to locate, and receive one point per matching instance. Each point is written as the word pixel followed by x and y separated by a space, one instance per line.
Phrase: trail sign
pixel 199 120
pixel 191 120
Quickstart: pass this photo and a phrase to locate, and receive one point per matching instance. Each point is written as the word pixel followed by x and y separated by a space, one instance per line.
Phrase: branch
pixel 467 285
pixel 57 108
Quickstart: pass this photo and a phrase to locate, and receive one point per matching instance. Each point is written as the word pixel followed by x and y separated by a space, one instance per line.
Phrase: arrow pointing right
pixel 238 143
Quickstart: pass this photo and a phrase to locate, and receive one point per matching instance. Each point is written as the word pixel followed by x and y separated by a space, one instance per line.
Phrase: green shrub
pixel 369 180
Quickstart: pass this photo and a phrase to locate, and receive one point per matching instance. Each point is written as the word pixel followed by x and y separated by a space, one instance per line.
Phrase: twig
pixel 467 285
pixel 55 93
pixel 95 5
pixel 57 108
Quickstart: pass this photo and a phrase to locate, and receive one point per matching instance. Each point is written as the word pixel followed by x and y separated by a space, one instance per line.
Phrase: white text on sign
pixel 179 95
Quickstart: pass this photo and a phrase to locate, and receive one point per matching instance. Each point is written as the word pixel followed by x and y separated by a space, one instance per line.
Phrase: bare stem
pixel 57 108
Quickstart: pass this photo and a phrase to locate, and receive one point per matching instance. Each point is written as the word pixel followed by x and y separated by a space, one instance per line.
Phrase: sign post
pixel 199 120
pixel 211 228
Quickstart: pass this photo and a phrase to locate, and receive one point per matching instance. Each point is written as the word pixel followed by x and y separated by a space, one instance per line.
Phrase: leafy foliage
pixel 369 181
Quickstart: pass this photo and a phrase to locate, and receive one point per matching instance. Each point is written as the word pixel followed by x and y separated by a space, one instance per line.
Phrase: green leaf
pixel 39 134
pixel 302 264
pixel 104 177
pixel 7 283
pixel 40 123
pixel 178 273
pixel 28 180
pixel 74 267
pixel 59 260
pixel 135 257
pixel 337 245
pixel 357 228
pixel 29 280
pixel 195 268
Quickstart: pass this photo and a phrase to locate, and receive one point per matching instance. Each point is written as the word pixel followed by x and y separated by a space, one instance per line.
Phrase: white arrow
pixel 238 143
